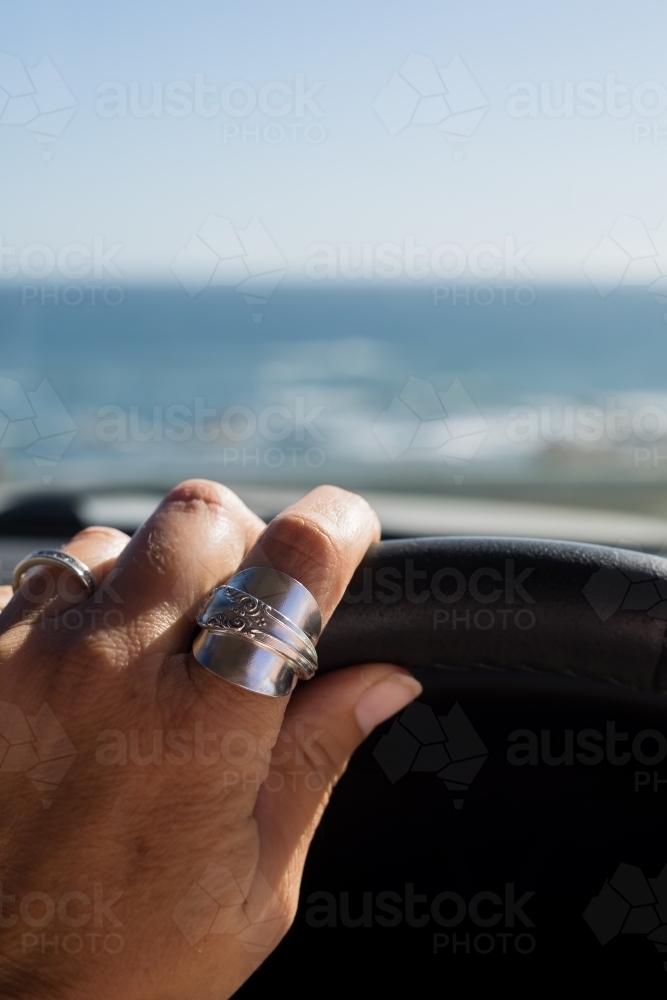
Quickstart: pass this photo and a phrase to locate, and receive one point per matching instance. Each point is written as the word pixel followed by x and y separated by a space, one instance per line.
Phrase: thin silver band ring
pixel 59 559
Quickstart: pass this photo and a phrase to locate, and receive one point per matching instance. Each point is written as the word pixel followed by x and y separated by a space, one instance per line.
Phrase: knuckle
pixel 321 752
pixel 343 500
pixel 5 596
pixel 310 539
pixel 100 533
pixel 201 495
pixel 338 492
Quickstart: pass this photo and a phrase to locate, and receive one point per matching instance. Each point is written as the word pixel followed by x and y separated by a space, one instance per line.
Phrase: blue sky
pixel 149 183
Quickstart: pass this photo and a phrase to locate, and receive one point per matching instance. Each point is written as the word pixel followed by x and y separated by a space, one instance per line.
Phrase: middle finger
pixel 194 540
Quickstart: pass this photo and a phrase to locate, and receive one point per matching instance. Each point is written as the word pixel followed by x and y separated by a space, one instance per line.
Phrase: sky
pixel 308 126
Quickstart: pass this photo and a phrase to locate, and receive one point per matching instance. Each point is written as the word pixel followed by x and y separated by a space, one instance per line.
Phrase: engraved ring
pixel 259 631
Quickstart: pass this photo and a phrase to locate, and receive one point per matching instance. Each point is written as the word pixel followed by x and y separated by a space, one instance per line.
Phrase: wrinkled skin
pixel 160 856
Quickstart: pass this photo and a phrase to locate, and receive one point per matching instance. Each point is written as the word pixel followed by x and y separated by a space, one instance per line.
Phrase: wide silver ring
pixel 258 631
pixel 59 559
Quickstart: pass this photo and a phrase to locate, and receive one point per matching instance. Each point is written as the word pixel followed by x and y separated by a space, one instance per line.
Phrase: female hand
pixel 179 807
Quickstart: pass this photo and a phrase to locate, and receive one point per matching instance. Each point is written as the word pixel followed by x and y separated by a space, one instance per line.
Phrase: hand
pixel 180 808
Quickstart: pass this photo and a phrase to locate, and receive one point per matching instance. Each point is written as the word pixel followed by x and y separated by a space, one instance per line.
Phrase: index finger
pixel 320 540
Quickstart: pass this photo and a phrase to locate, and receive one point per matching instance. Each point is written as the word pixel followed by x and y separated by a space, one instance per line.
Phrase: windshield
pixel 418 249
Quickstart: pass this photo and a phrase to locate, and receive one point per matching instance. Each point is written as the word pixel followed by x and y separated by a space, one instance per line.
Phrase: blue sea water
pixel 343 351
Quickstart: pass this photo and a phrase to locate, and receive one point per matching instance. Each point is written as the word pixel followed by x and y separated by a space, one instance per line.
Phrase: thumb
pixel 324 724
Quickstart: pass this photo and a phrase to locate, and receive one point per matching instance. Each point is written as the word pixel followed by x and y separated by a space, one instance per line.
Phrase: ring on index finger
pixel 258 631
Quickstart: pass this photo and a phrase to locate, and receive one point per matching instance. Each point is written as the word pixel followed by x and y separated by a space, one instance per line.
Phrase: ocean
pixel 375 385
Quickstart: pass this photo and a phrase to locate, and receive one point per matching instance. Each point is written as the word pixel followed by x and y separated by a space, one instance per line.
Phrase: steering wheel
pixel 512 822
pixel 504 603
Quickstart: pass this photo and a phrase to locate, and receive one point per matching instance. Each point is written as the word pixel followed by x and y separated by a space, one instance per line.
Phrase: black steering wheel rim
pixel 534 605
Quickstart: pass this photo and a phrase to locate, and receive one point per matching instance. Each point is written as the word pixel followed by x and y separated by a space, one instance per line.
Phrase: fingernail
pixel 384 699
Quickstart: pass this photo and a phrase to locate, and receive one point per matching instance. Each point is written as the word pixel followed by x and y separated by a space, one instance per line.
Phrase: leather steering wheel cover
pixel 589 611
